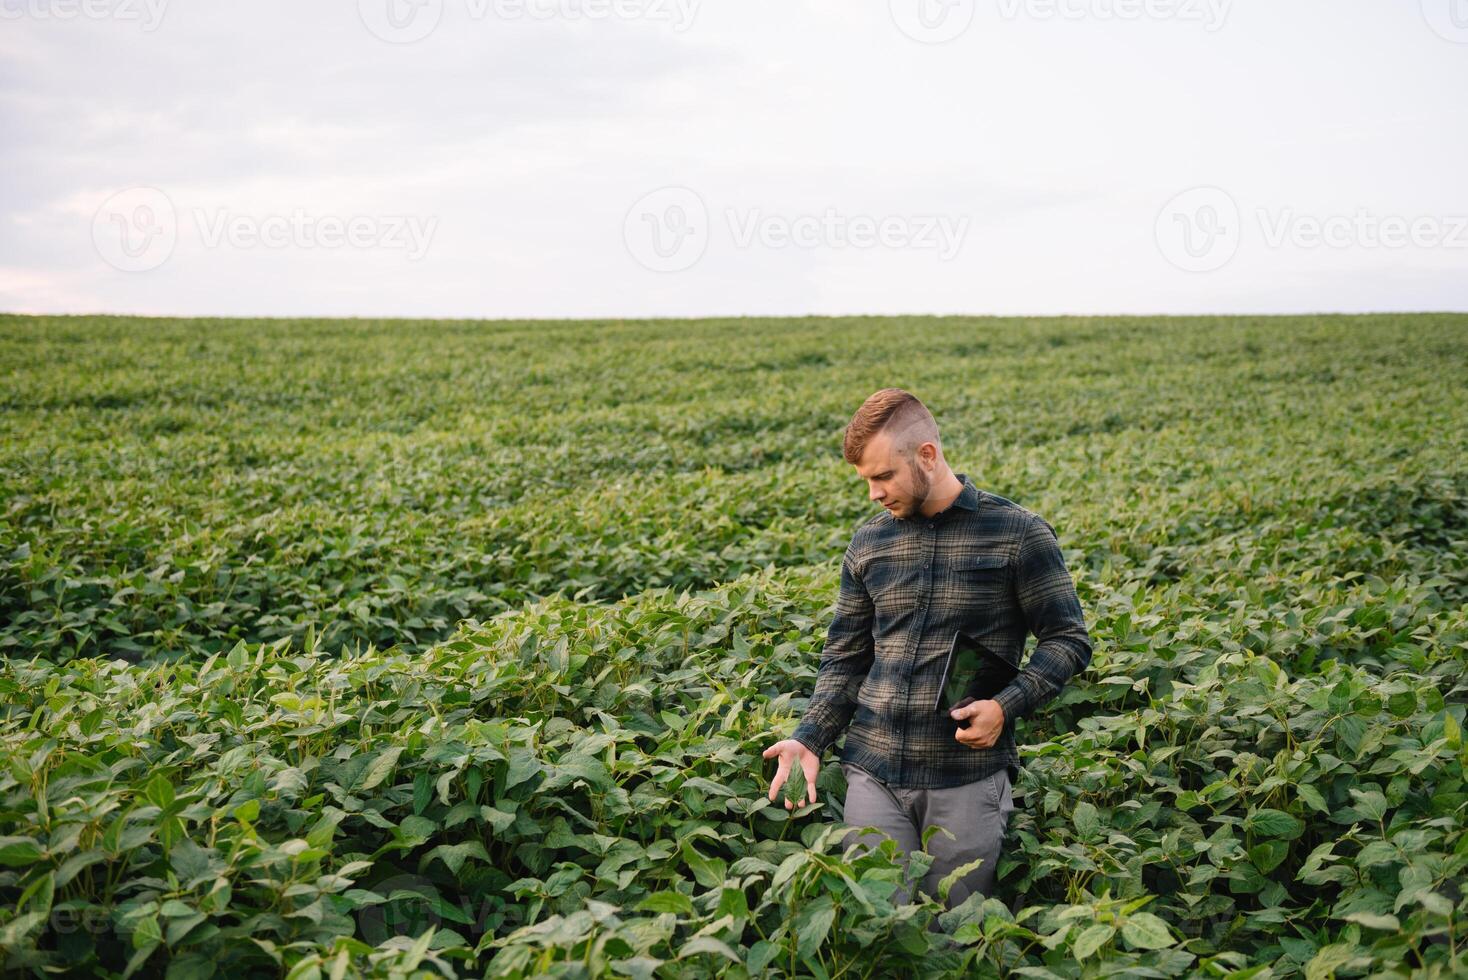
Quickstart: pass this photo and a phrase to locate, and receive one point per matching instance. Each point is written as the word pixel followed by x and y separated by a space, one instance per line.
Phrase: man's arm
pixel 845 660
pixel 1052 611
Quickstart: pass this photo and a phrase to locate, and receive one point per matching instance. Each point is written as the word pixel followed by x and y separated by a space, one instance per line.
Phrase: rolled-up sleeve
pixel 1052 611
pixel 845 661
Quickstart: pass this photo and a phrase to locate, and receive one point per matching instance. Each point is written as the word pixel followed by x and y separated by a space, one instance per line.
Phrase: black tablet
pixel 971 672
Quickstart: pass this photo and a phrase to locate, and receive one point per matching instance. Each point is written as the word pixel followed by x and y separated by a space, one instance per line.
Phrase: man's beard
pixel 920 487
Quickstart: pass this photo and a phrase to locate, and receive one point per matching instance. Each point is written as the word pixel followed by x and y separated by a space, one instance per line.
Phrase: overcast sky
pixel 595 158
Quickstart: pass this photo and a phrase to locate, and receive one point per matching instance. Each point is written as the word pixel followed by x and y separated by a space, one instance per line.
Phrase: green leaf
pixel 1372 920
pixel 522 766
pixel 708 872
pixel 379 769
pixel 1275 823
pixel 1312 796
pixel 1351 730
pixel 498 820
pixel 19 852
pixel 812 924
pixel 416 828
pixel 76 863
pixel 1330 958
pixel 39 894
pixel 1370 803
pixel 14 932
pixel 1087 821
pixel 192 863
pixel 637 967
pixel 666 901
pixel 1092 939
pixel 952 878
pixel 761 954
pixel 732 901
pixel 1403 704
pixel 179 928
pixel 707 944
pixel 140 957
pixel 1143 930
pixel 159 792
pixel 147 932
pixel 1267 855
pixel 454 855
pixel 194 966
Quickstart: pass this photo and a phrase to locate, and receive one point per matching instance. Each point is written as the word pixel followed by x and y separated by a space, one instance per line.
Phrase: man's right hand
pixel 791 752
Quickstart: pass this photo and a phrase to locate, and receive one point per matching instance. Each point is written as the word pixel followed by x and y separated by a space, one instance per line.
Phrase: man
pixel 944 556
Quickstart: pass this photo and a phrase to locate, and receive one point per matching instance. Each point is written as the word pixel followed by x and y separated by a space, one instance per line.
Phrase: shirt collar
pixel 967 499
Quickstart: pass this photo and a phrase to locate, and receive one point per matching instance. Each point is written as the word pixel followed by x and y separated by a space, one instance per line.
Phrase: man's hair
pixel 896 412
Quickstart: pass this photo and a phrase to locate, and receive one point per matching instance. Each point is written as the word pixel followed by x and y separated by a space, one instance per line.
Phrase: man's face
pixel 899 486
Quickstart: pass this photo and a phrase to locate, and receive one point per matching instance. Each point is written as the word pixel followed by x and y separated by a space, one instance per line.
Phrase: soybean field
pixel 339 648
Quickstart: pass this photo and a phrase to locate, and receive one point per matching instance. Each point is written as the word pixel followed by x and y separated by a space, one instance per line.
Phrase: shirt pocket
pixel 977 580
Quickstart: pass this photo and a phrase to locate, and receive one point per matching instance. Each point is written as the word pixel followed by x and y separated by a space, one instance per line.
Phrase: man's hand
pixel 789 751
pixel 983 731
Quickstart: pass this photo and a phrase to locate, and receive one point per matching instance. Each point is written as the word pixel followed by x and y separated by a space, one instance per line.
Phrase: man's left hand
pixel 984 728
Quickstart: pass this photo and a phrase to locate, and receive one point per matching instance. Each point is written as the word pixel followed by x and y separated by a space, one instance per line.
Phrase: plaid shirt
pixel 984 565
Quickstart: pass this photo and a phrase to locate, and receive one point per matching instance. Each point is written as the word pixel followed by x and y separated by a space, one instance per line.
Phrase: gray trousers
pixel 977 813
